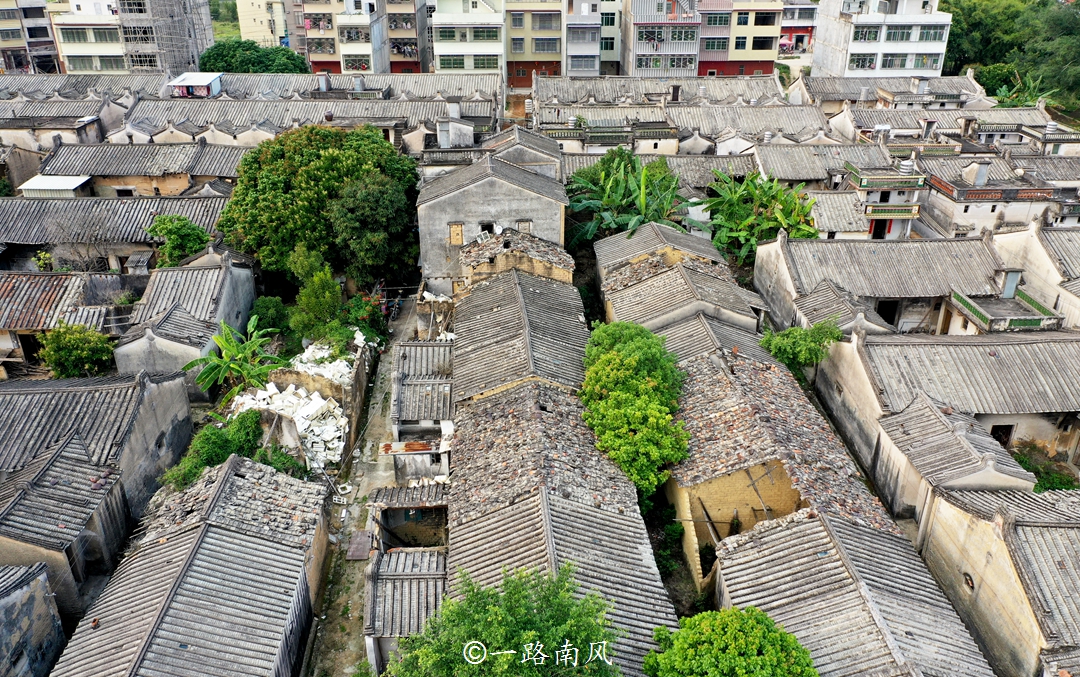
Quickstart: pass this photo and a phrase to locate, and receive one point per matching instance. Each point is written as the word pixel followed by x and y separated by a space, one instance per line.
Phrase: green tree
pixel 373 225
pixel 995 76
pixel 1026 91
pixel 288 185
pixel 271 312
pixel 983 32
pixel 183 238
pixel 624 199
pixel 72 350
pixel 242 361
pixel 630 394
pixel 798 347
pixel 247 56
pixel 728 643
pixel 744 214
pixel 526 610
pixel 318 305
pixel 1051 44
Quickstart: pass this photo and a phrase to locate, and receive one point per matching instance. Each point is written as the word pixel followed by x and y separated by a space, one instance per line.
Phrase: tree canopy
pixel 798 347
pixel 72 350
pixel 549 628
pixel 728 643
pixel 348 196
pixel 630 394
pixel 183 238
pixel 744 214
pixel 247 56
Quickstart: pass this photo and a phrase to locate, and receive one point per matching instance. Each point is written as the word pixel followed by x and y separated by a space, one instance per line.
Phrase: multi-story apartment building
pixel 471 35
pixel 857 38
pixel 264 21
pixel 26 38
pixel 126 36
pixel 797 24
pixel 663 38
pixel 610 37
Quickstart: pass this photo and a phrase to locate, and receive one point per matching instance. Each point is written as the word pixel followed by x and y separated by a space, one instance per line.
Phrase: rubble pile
pixel 320 424
pixel 315 360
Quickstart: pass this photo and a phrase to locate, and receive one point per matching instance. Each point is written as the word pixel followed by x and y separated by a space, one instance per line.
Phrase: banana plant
pixel 242 361
pixel 624 200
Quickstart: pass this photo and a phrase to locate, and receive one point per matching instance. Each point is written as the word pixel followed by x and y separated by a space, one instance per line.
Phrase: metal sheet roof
pixel 895 268
pixel 35 301
pixel 422 382
pixel 1001 373
pixel 54 182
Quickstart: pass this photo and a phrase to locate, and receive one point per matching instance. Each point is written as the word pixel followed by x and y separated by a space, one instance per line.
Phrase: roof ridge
pixel 865 593
pixel 526 324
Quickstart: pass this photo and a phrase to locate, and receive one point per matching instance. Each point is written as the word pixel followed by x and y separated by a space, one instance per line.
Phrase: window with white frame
pixel 740 42
pixel 607 44
pixel 448 34
pixel 546 45
pixel 650 33
pixel 452 61
pixel 582 63
pixel 808 14
pixel 897 33
pixel 547 21
pixel 517 45
pixel 718 20
pixel 866 34
pixel 357 63
pixel 73 35
pixel 112 63
pixel 80 63
pixel 11 34
pixel 106 35
pixel 716 44
pixel 607 19
pixel 485 61
pixel 649 62
pixel 683 34
pixel 742 18
pixel 931 61
pixel 894 61
pixel 682 61
pixel 931 34
pixel 862 61
pixel 583 35
pixel 485 34
pixel 517 19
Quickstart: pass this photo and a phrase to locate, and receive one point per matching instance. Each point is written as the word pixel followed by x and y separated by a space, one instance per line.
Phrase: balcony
pixel 888 180
pixel 994 314
pixel 668 47
pixel 582 19
pixel 893 210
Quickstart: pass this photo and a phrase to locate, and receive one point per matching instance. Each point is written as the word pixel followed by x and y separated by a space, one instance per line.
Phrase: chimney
pixel 768 137
pixel 753 102
pixel 453 108
pixel 358 83
pixel 882 132
pixel 1012 280
pixel 701 91
pixel 975 172
pixel 864 94
pixel 928 127
pixel 923 85
pixel 324 82
pixel 967 126
pixel 328 116
pixel 907 168
pixel 675 93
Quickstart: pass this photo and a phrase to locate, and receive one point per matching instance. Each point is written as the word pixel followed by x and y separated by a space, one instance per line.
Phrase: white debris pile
pixel 319 424
pixel 315 360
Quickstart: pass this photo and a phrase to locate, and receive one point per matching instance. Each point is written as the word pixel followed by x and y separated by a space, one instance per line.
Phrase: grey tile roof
pixel 197 288
pixel 849 89
pixel 1063 246
pixel 424 496
pixel 1060 508
pixel 423 380
pixel 1049 167
pixel 904 118
pixel 795 162
pixel 895 268
pixel 492 167
pixel 837 211
pixel 213 586
pixel 407 588
pixel 197 114
pixel 1001 373
pixel 524 440
pixel 420 85
pixel 151 159
pixel 93 219
pixel 52 507
pixel 742 413
pixel 749 120
pixel 175 324
pixel 859 599
pixel 617 89
pixel 36 415
pixel 481 252
pixel 830 301
pixel 517 326
pixel 599 116
pixel 999 172
pixel 51 108
pixel 79 86
pixel 945 445
pixel 648 239
pixel 13 579
pixel 684 284
pixel 519 135
pixel 701 334
pixel 1031 117
pixel 611 553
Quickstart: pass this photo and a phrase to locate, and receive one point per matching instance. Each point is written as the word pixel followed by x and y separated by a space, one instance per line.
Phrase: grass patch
pixel 1034 458
pixel 226 30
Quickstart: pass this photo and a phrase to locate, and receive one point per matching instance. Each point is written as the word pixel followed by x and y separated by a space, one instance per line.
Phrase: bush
pixel 630 394
pixel 73 350
pixel 212 446
pixel 318 304
pixel 271 313
pixel 1048 477
pixel 247 56
pixel 798 347
pixel 183 238
pixel 728 643
pixel 280 460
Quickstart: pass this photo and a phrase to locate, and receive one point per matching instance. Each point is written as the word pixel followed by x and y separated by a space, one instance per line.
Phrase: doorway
pixel 888 309
pixel 1002 433
pixel 879 228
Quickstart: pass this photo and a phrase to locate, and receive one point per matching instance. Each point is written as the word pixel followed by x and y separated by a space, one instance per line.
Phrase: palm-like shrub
pixel 242 362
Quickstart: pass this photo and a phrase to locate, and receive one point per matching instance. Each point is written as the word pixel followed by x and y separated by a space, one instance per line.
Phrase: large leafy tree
pixel 1051 49
pixel 744 214
pixel 622 195
pixel 321 187
pixel 630 394
pixel 72 350
pixel 728 643
pixel 983 32
pixel 798 347
pixel 536 616
pixel 247 56
pixel 183 238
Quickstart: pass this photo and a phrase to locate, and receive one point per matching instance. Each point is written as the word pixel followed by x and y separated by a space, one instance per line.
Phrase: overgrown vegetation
pixel 242 361
pixel 1017 42
pixel 347 196
pixel 271 312
pixel 212 445
pixel 728 643
pixel 619 194
pixel 746 213
pixel 631 393
pixel 247 56
pixel 1029 454
pixel 668 551
pixel 529 611
pixel 799 348
pixel 183 238
pixel 73 350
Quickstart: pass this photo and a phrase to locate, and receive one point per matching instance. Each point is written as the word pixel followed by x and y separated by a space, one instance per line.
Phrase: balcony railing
pixel 884 180
pixel 893 211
